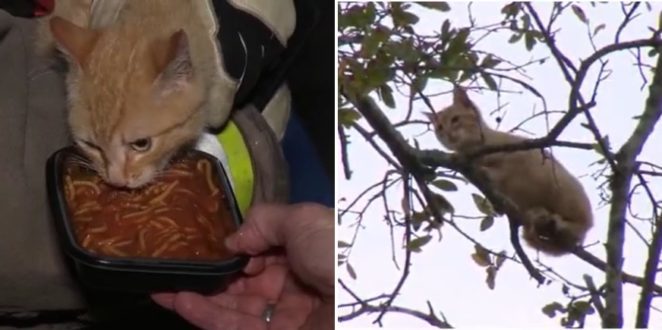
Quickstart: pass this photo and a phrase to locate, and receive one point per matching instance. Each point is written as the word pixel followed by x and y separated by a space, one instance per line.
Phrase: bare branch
pixel 343 152
pixel 596 298
pixel 408 234
pixel 601 265
pixel 430 318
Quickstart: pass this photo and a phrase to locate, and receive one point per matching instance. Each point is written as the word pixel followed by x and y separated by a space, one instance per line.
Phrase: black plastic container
pixel 137 275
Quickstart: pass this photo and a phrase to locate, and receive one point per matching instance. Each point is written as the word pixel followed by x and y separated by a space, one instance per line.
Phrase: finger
pixel 255 266
pixel 165 300
pixel 247 304
pixel 206 315
pixel 305 230
pixel 268 284
pixel 270 225
pixel 321 318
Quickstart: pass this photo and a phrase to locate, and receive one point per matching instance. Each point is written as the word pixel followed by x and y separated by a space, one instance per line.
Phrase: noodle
pixel 167 220
pixel 165 193
pixel 141 239
pixel 177 172
pixel 113 251
pixel 95 187
pixel 99 229
pixel 122 243
pixel 87 240
pixel 135 214
pixel 203 163
pixel 177 245
pixel 180 215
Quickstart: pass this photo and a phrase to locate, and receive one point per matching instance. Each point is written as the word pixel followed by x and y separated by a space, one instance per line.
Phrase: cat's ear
pixel 172 62
pixel 431 116
pixel 76 42
pixel 461 98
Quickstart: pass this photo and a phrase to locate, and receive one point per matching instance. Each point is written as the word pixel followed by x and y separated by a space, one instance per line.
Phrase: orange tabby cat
pixel 142 83
pixel 556 213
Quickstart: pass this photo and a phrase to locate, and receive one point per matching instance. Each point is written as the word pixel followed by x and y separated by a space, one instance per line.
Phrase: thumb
pixel 273 225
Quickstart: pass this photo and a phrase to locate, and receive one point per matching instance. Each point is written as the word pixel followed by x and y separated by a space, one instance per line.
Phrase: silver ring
pixel 268 312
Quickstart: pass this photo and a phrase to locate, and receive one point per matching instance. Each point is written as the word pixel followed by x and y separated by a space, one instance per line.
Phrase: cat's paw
pixel 545 225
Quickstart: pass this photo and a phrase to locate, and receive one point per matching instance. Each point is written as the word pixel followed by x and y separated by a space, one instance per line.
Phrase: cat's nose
pixel 116 178
pixel 118 182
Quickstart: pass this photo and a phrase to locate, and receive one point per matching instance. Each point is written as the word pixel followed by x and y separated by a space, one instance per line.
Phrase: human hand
pixel 291 269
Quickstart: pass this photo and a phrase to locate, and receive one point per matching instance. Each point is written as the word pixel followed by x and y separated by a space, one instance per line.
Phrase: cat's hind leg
pixel 551 233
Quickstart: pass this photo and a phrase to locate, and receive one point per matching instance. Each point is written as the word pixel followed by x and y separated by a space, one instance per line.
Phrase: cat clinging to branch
pixel 554 209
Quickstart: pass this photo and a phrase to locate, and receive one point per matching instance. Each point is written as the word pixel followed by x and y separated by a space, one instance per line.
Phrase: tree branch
pixel 620 185
pixel 631 150
pixel 601 265
pixel 405 272
pixel 430 318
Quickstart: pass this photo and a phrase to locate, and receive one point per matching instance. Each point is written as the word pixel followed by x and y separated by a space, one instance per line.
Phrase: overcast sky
pixel 444 273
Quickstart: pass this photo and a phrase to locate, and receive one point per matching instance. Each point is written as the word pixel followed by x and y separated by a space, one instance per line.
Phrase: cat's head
pixel 132 102
pixel 460 125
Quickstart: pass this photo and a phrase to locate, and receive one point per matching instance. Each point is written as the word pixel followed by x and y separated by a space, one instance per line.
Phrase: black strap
pixel 250 48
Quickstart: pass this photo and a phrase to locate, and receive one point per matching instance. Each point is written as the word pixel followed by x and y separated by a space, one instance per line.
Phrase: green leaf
pixel 377 73
pixel 489 81
pixel 444 185
pixel 441 6
pixel 402 18
pixel 416 244
pixel 491 277
pixel 417 218
pixel 580 13
pixel 501 258
pixel 652 52
pixel 481 256
pixel 529 40
pixel 372 41
pixel 526 22
pixel 551 309
pixel 486 223
pixel 490 62
pixel 386 94
pixel 343 244
pixel 445 29
pixel 341 259
pixel 483 204
pixel 515 38
pixel 442 203
pixel 347 117
pixel 598 29
pixel 359 16
pixel 511 9
pixel 583 307
pixel 457 45
pixel 350 270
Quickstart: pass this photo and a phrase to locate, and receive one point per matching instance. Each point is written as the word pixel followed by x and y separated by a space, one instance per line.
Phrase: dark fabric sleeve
pixel 312 79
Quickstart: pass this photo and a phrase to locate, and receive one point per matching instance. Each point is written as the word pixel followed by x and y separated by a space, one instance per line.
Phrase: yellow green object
pixel 240 163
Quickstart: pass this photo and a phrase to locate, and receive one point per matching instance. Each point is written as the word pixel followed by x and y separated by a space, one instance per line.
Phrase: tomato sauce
pixel 180 215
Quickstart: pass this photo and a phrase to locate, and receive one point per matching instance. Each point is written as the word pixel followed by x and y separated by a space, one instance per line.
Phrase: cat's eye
pixel 455 119
pixel 141 145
